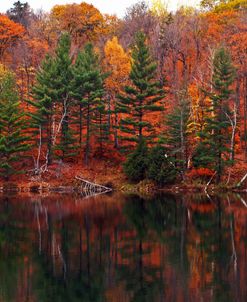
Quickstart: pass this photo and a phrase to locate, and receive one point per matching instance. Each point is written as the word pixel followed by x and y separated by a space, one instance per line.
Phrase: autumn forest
pixel 155 97
pixel 123 152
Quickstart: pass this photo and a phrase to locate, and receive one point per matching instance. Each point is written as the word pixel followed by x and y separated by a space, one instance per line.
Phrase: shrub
pixel 160 166
pixel 136 164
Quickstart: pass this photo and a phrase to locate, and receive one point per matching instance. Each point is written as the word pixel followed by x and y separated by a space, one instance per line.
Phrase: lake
pixel 123 248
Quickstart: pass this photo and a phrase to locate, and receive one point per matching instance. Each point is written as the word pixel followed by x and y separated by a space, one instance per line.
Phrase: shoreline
pixel 144 187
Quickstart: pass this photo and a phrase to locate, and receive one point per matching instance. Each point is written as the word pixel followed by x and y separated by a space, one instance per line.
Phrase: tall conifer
pixel 88 90
pixel 176 134
pixel 52 95
pixel 62 86
pixel 212 151
pixel 44 102
pixel 13 138
pixel 142 96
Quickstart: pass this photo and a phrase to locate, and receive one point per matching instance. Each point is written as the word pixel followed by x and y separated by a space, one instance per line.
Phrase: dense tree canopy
pixel 10 32
pixel 93 86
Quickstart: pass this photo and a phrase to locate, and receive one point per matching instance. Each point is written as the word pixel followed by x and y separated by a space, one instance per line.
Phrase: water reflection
pixel 123 248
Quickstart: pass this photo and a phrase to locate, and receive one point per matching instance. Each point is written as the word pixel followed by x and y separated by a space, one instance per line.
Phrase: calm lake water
pixel 123 248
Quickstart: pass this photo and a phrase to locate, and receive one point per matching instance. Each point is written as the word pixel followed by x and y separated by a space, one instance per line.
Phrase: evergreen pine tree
pixel 212 151
pixel 13 140
pixel 44 102
pixel 142 96
pixel 176 136
pixel 51 94
pixel 88 91
pixel 62 86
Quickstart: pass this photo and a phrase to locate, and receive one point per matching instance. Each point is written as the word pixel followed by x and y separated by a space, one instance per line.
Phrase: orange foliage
pixel 10 32
pixel 200 173
pixel 80 20
pixel 111 24
pixel 183 45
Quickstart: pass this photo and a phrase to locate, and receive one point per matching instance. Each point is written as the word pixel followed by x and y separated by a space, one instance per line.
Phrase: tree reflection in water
pixel 122 248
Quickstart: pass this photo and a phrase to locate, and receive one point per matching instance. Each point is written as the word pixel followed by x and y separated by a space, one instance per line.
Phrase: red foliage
pixel 203 173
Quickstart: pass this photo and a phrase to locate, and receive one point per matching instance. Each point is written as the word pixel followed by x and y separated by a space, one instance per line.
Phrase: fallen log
pixel 89 188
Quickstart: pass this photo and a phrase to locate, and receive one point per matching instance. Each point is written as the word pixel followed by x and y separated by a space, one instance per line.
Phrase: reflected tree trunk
pixel 80 251
pixel 141 264
pixel 87 224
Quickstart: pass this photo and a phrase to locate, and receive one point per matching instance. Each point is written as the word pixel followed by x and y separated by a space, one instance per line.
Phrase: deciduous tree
pixel 20 13
pixel 10 32
pixel 82 21
pixel 117 64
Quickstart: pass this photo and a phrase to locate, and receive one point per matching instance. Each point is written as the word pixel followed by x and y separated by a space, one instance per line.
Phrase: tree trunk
pixel 88 135
pixel 80 125
pixel 245 118
pixel 116 144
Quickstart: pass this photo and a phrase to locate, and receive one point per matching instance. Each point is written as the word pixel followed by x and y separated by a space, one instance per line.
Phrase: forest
pixel 154 97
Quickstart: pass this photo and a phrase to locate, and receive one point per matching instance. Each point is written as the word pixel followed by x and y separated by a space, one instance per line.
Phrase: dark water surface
pixel 123 248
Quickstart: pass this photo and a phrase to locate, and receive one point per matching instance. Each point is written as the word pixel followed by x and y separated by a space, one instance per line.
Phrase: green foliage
pixel 88 92
pixel 43 102
pixel 136 165
pixel 13 141
pixel 51 91
pixel 203 155
pixel 142 96
pixel 176 136
pixel 154 164
pixel 160 166
pixel 212 151
pixel 63 90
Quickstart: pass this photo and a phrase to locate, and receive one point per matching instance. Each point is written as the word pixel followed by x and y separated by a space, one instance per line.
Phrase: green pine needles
pixel 52 91
pixel 212 150
pixel 136 164
pixel 75 89
pixel 88 91
pixel 42 118
pixel 13 138
pixel 176 136
pixel 142 96
pixel 154 164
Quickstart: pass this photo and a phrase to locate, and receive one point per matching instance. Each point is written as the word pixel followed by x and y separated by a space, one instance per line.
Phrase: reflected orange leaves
pixel 202 208
pixel 98 232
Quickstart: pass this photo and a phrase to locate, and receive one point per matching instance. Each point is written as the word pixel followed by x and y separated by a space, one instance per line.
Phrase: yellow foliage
pixel 117 63
pixel 3 72
pixel 231 5
pixel 199 110
pixel 159 8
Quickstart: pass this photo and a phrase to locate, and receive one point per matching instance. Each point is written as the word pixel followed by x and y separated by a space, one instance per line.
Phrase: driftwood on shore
pixel 88 188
